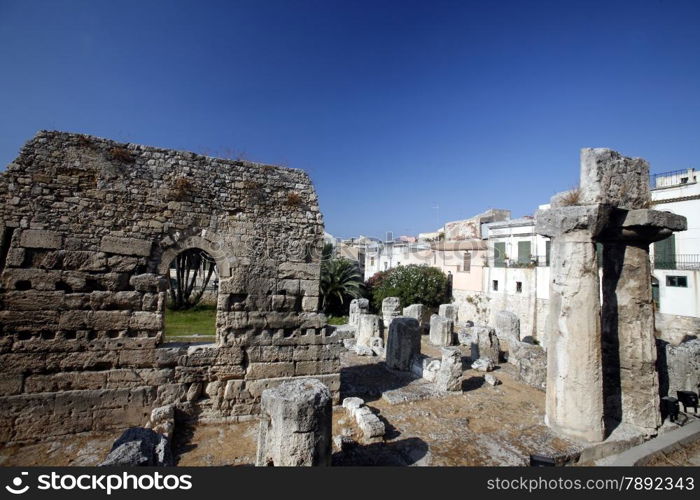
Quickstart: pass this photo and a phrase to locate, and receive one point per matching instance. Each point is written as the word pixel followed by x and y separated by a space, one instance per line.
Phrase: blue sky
pixel 392 107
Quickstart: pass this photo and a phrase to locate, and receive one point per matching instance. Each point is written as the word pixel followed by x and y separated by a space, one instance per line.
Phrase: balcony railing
pixel 672 178
pixel 680 261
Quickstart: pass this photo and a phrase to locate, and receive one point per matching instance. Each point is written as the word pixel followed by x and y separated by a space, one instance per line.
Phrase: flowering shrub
pixel 412 284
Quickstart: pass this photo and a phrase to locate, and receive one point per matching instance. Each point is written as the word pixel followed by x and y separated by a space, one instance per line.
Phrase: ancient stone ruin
pixel 89 228
pixel 601 365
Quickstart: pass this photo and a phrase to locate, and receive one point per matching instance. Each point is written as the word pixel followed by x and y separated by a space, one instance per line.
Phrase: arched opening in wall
pixel 190 313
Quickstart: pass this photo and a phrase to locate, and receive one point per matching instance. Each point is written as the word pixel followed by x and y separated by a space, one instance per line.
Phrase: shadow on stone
pixel 371 380
pixel 398 453
pixel 472 383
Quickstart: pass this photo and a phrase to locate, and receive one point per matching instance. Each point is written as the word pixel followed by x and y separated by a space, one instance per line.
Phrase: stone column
pixel 295 425
pixel 419 312
pixel 508 327
pixel 368 327
pixel 574 402
pixel 391 308
pixel 448 311
pixel 403 343
pixel 629 344
pixel 358 307
pixel 449 376
pixel 441 330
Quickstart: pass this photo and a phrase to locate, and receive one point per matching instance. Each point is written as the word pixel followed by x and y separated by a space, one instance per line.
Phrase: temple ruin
pixel 89 227
pixel 601 363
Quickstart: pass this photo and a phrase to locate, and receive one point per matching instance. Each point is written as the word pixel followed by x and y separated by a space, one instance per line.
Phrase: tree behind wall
pixel 340 283
pixel 193 270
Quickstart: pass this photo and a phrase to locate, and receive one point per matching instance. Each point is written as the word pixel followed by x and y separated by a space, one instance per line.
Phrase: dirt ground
pixel 688 455
pixel 482 425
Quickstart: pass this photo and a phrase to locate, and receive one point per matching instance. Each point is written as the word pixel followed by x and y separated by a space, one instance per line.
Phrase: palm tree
pixel 340 282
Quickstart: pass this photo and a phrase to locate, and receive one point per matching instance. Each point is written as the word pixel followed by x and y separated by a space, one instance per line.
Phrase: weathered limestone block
pixel 140 447
pixel 149 283
pixel 425 367
pixel 679 367
pixel 492 380
pixel 485 344
pixel 531 362
pixel 609 178
pixel 483 365
pixel 299 270
pixel 309 303
pixel 368 327
pixel 295 425
pixel 419 312
pixel 36 238
pixel 126 246
pixel 449 376
pixel 391 308
pixel 371 426
pixel 357 308
pixel 507 327
pixel 403 343
pixel 84 261
pixel 464 336
pixel 441 330
pixel 448 311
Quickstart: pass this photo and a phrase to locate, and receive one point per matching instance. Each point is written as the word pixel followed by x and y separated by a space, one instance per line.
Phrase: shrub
pixel 412 284
pixel 294 200
pixel 181 188
pixel 121 154
pixel 571 197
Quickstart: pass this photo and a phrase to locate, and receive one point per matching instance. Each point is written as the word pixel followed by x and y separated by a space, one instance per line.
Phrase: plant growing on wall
pixel 341 282
pixel 412 284
pixel 192 269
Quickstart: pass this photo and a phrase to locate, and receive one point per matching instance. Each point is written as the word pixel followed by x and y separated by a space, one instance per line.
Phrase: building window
pixel 467 263
pixel 495 285
pixel 665 253
pixel 386 266
pixel 679 281
pixel 524 254
pixel 547 250
pixel 499 254
pixel 371 261
pixel 518 287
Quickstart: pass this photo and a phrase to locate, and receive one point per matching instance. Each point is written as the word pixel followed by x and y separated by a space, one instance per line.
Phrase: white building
pixel 676 260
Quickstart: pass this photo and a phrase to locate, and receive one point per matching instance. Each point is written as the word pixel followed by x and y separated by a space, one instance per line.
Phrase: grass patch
pixel 200 320
pixel 337 320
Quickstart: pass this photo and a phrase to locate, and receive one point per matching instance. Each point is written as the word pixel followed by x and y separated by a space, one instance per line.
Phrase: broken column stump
pixel 295 425
pixel 441 330
pixel 403 343
pixel 449 376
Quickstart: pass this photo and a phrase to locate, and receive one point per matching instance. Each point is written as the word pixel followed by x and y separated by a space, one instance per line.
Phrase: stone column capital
pixel 556 222
pixel 642 226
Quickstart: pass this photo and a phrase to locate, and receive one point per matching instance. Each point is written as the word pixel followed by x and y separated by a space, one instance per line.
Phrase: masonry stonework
pixel 89 228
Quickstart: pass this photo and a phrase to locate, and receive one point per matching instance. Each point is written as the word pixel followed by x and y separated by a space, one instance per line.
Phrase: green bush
pixel 412 284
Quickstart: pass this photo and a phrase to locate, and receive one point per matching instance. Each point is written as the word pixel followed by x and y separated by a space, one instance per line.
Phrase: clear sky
pixel 394 108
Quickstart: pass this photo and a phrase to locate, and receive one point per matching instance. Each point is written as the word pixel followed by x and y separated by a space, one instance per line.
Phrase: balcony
pixel 679 261
pixel 673 178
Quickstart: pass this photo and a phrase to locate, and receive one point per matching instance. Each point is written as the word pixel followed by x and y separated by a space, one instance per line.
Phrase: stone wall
pixel 89 228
